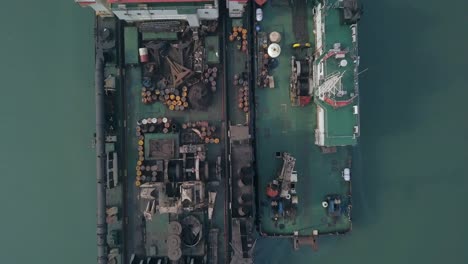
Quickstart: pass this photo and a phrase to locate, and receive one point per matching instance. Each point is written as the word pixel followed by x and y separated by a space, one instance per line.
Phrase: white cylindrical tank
pixel 143 54
pixel 274 50
pixel 343 63
pixel 275 37
pixel 347 174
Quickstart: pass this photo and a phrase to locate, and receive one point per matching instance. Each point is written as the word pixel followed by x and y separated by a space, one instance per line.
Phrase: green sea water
pixel 47 164
pixel 410 179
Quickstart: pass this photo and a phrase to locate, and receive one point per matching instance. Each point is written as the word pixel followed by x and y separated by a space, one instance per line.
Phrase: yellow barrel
pixel 216 140
pixel 185 104
pixel 140 153
pixel 174 102
pixel 171 107
pixel 244 31
pixel 141 158
pixel 177 98
pixel 139 163
pixel 137 183
pixel 179 102
pixel 172 96
pixel 140 142
pixel 184 94
pixel 138 173
pixel 244 37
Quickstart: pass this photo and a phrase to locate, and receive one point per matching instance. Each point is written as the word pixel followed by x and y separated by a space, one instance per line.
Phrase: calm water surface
pixel 410 180
pixel 47 120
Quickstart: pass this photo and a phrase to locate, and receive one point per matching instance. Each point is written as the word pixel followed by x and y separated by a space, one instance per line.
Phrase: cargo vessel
pixel 219 122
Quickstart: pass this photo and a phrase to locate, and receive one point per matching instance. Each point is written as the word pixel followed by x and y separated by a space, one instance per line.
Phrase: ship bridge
pixel 192 11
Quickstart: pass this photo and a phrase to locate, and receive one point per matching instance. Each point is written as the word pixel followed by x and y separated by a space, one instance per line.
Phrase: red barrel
pixel 143 54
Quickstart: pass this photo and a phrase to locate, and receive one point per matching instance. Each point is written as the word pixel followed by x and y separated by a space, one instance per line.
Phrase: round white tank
pixel 275 37
pixel 343 63
pixel 274 50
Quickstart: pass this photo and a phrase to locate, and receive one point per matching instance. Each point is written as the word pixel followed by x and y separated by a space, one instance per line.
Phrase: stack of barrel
pixel 173 98
pixel 209 77
pixel 144 172
pixel 141 159
pixel 147 96
pixel 240 34
pixel 243 93
pixel 207 132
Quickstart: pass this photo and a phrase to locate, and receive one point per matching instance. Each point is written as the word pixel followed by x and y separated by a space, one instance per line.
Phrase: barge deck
pixel 217 125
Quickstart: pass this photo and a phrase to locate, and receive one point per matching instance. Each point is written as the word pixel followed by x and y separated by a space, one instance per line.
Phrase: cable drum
pixel 304 69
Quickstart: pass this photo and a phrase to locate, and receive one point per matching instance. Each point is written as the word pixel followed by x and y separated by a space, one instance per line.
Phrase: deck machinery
pixel 195 158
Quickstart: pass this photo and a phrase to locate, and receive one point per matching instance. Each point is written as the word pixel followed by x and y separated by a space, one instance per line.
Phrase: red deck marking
pixel 337 104
pixel 304 100
pixel 260 2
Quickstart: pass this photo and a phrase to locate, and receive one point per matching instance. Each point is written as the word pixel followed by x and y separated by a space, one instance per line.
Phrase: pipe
pixel 100 160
